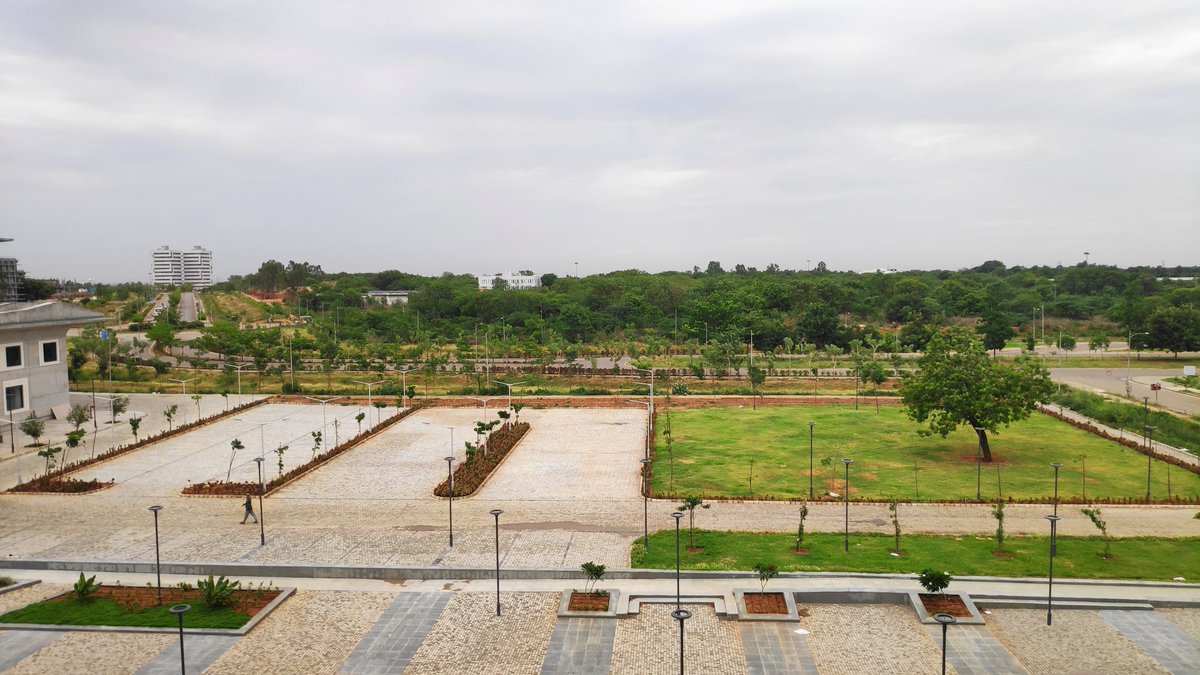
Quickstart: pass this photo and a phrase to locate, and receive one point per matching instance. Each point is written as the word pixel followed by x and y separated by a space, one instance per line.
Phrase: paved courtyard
pixel 430 627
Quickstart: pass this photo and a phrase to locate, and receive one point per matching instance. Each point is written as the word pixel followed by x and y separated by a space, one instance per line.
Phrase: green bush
pixel 85 586
pixel 6 581
pixel 1172 430
pixel 217 593
pixel 934 581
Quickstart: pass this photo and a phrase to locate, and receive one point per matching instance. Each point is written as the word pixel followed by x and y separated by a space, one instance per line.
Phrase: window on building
pixel 14 398
pixel 49 352
pixel 12 356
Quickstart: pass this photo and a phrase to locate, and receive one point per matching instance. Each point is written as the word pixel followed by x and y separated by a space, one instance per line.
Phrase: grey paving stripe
pixel 580 646
pixel 396 636
pixel 973 649
pixel 16 645
pixel 1165 642
pixel 199 651
pixel 774 647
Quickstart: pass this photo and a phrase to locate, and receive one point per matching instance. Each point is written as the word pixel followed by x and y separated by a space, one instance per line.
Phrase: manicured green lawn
pixel 1078 557
pixel 713 450
pixel 105 612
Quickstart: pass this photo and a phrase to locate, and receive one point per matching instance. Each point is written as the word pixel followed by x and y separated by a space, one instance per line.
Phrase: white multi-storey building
pixel 518 281
pixel 174 268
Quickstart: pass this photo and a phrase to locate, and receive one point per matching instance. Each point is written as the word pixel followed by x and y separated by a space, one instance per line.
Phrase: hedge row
pixel 471 474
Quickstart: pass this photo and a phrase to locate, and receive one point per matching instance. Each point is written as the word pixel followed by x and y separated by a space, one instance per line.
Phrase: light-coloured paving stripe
pixel 16 645
pixel 853 639
pixel 395 638
pixel 1078 641
pixel 1174 649
pixel 974 650
pixel 82 652
pixel 199 652
pixel 470 638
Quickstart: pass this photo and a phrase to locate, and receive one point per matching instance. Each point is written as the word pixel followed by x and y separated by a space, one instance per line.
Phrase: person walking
pixel 249 504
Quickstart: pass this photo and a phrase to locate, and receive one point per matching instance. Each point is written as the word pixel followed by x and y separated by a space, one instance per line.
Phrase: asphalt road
pixel 1113 381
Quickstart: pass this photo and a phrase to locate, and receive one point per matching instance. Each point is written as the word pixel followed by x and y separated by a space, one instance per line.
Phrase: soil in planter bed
pixel 765 603
pixel 588 602
pixel 953 605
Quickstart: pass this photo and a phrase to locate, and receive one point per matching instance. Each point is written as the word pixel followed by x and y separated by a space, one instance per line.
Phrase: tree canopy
pixel 957 384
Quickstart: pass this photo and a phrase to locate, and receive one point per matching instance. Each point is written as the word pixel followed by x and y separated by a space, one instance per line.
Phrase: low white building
pixel 387 297
pixel 515 280
pixel 33 354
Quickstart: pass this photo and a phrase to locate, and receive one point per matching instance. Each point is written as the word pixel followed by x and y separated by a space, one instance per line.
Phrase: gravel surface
pixel 1079 641
pixel 311 632
pixel 109 653
pixel 470 638
pixel 27 596
pixel 648 643
pixel 855 639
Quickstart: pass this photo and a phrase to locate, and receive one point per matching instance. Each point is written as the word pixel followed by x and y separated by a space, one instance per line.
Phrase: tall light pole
pixel 496 514
pixel 510 386
pixel 979 464
pixel 1053 551
pixel 677 516
pixel 945 620
pixel 648 440
pixel 450 429
pixel 450 482
pixel 1149 459
pixel 179 611
pixel 323 401
pixel 810 459
pixel 1056 466
pixel 1129 363
pixel 846 546
pixel 239 376
pixel 262 517
pixel 183 382
pixel 485 402
pixel 681 615
pixel 157 562
pixel 648 384
pixel 368 385
pixel 404 383
pixel 646 502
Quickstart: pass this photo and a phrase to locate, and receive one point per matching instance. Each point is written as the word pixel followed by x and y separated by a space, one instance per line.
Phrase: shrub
pixel 800 527
pixel 217 593
pixel 593 573
pixel 85 586
pixel 6 581
pixel 637 554
pixel 1094 516
pixel 765 572
pixel 895 515
pixel 933 581
pixel 998 514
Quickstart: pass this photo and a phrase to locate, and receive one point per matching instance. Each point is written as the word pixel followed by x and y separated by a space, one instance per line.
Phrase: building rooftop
pixel 45 313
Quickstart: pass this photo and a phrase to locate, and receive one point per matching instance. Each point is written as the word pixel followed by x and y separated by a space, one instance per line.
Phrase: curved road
pixel 1113 382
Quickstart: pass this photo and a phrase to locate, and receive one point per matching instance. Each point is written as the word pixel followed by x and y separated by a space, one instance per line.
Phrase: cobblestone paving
pixel 16 645
pixel 27 596
pixel 312 632
pixel 648 643
pixel 390 644
pixel 470 638
pixel 580 646
pixel 199 651
pixel 774 648
pixel 973 649
pixel 1188 620
pixel 80 652
pixel 1079 641
pixel 1168 644
pixel 855 639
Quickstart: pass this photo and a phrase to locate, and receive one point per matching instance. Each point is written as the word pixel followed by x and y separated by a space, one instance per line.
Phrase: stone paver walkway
pixel 15 645
pixel 581 646
pixel 974 650
pixel 774 648
pixel 1174 649
pixel 1079 641
pixel 199 652
pixel 396 637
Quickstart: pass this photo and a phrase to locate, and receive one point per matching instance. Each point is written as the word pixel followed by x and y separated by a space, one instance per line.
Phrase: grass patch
pixel 714 448
pixel 105 612
pixel 1172 430
pixel 1147 558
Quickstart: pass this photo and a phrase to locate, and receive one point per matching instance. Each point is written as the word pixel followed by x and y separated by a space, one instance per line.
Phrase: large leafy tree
pixel 957 384
pixel 1176 329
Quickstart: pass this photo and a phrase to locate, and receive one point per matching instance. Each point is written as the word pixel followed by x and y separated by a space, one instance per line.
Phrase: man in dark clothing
pixel 249 504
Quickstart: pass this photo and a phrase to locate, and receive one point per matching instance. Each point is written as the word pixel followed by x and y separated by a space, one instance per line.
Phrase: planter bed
pixel 470 476
pixel 594 604
pixel 137 606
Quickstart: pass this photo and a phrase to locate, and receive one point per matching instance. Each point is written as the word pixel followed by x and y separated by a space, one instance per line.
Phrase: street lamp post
pixel 157 561
pixel 510 386
pixel 1056 466
pixel 677 516
pixel 810 459
pixel 681 615
pixel 450 480
pixel 648 441
pixel 323 401
pixel 646 502
pixel 1053 550
pixel 979 465
pixel 496 514
pixel 846 542
pixel 239 376
pixel 179 611
pixel 183 382
pixel 1149 459
pixel 945 620
pixel 1129 364
pixel 262 518
pixel 368 385
pixel 650 384
pixel 404 383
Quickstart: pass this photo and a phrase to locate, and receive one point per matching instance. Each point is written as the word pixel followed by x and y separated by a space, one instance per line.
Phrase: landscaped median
pixel 1145 558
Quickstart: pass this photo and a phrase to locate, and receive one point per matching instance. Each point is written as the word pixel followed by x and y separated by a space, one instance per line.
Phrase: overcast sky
pixel 486 136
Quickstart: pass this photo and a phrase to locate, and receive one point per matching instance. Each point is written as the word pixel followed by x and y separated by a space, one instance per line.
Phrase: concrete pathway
pixel 396 637
pixel 582 646
pixel 16 645
pixel 1174 649
pixel 774 648
pixel 199 651
pixel 973 650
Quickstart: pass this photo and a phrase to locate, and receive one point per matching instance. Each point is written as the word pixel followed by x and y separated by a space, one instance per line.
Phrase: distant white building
pixel 387 297
pixel 175 268
pixel 518 281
